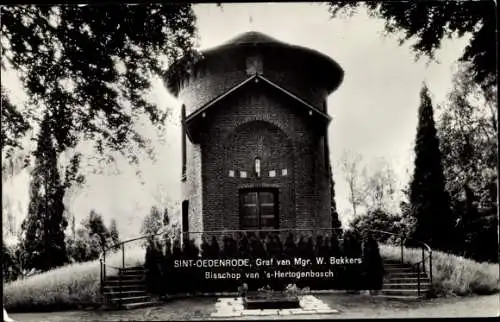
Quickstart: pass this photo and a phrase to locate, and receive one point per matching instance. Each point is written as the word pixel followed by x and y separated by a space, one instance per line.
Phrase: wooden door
pixel 258 209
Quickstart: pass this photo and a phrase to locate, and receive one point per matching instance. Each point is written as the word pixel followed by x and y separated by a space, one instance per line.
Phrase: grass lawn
pixel 70 287
pixel 349 306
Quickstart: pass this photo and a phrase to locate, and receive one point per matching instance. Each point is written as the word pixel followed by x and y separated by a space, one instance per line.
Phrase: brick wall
pixel 192 189
pixel 256 121
pixel 212 78
pixel 260 122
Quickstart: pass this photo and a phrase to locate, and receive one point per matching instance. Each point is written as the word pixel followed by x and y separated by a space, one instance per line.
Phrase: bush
pixel 69 287
pixel 153 264
pixel 482 237
pixel 89 240
pixel 351 275
pixel 84 247
pixel 373 264
pixel 11 264
pixel 452 275
pixel 379 219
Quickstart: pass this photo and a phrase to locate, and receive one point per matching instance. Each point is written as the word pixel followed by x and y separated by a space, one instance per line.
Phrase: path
pixel 350 307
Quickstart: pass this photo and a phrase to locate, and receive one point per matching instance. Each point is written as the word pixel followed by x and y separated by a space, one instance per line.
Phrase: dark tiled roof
pixel 254 38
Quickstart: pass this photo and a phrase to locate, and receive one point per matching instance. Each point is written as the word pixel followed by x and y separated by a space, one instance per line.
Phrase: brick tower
pixel 255 148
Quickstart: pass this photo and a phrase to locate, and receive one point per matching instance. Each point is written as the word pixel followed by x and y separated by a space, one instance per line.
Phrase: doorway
pixel 259 209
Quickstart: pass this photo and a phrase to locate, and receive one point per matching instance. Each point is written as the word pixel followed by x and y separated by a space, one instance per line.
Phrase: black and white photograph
pixel 249 161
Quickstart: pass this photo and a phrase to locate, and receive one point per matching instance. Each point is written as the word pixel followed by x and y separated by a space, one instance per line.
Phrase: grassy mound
pixel 452 275
pixel 73 286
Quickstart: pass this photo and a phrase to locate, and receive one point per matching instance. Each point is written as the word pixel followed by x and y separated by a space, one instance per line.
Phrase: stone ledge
pixel 301 311
pixel 225 314
pixel 233 307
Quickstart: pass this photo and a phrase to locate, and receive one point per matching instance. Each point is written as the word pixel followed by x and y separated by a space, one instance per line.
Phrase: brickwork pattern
pixel 256 120
pixel 257 123
pixel 192 189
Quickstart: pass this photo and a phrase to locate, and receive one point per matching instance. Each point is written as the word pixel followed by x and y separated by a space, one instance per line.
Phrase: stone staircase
pixel 127 290
pixel 401 282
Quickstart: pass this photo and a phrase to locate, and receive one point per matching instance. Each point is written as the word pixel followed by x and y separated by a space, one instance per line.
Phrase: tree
pixel 11 267
pixel 428 196
pixel 73 226
pixel 166 218
pixel 45 224
pixel 92 238
pixel 90 66
pixel 113 232
pixel 333 205
pixel 350 165
pixel 408 221
pixel 95 227
pixel 14 125
pixel 152 224
pixel 8 219
pixel 428 23
pixel 379 187
pixel 85 247
pixel 468 139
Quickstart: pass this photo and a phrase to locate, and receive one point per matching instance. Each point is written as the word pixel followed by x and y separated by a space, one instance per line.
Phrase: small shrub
pixel 243 290
pixel 373 264
pixel 378 219
pixel 177 274
pixel 152 262
pixel 352 248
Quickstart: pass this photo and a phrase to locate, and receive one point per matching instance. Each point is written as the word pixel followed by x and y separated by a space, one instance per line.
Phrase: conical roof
pixel 251 38
pixel 258 39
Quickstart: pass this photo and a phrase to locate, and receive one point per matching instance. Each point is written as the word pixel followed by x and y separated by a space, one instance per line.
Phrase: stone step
pixel 398 297
pixel 124 293
pixel 130 299
pixel 394 264
pixel 392 261
pixel 405 292
pixel 406 286
pixel 137 270
pixel 424 280
pixel 134 268
pixel 127 287
pixel 406 274
pixel 392 268
pixel 133 273
pixel 117 283
pixel 137 305
pixel 399 269
pixel 127 277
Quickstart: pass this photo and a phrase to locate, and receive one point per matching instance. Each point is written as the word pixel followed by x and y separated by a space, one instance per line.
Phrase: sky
pixel 374 110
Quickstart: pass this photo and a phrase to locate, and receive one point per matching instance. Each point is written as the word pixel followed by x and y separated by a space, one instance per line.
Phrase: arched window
pixel 257 167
